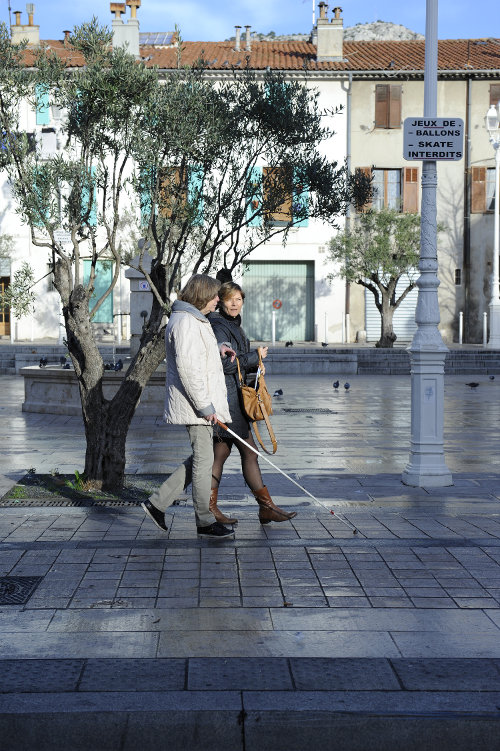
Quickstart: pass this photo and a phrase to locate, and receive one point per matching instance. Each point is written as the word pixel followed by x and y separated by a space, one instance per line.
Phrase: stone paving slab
pixel 291 634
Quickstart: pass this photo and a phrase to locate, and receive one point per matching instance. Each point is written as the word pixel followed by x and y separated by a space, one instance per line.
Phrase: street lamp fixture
pixel 492 124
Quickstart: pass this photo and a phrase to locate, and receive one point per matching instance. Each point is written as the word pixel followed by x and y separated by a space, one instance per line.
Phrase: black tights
pixel 249 463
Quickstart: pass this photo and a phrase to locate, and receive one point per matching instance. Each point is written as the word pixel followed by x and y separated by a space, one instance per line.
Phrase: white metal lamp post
pixel 492 123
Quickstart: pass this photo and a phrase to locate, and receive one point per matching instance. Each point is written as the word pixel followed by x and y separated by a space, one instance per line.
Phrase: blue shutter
pixel 256 196
pixel 85 199
pixel 300 200
pixel 195 192
pixel 42 104
pixel 102 281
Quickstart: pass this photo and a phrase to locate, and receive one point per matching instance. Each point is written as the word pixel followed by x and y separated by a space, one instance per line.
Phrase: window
pixel 458 277
pixel 482 189
pixel 386 189
pixel 284 194
pixel 178 189
pixel 278 181
pixel 494 93
pixel 388 105
pixel 490 189
pixel 393 189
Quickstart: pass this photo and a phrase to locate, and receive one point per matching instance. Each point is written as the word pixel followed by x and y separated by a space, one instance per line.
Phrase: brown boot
pixel 219 516
pixel 268 511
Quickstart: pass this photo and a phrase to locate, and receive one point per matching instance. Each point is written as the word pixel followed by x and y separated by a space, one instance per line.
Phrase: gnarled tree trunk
pixel 107 421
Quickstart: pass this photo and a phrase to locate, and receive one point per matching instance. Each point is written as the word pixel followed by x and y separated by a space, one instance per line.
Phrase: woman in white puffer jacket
pixel 195 397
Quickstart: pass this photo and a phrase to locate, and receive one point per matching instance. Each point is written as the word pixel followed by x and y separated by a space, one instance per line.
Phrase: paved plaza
pixel 291 635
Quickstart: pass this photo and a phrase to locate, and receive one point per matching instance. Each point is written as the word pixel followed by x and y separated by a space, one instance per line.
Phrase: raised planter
pixel 54 391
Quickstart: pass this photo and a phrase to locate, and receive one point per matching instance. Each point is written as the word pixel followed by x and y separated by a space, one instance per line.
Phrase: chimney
pixel 67 35
pixel 126 34
pixel 248 43
pixel 330 35
pixel 237 38
pixel 28 32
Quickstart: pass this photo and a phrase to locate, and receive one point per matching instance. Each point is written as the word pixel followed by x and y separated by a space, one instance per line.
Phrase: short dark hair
pixel 228 289
pixel 199 290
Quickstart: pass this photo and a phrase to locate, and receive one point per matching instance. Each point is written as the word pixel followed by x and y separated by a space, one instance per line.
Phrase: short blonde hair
pixel 199 290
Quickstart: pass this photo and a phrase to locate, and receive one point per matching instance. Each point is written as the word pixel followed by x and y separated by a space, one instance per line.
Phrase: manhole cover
pixel 316 410
pixel 16 590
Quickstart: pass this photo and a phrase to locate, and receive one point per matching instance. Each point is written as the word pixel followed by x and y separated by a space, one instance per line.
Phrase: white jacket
pixel 195 384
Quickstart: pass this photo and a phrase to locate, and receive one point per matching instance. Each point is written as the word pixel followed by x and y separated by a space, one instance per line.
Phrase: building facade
pixel 375 85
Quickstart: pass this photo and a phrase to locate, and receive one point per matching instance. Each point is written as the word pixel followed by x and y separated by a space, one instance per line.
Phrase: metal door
pixel 282 286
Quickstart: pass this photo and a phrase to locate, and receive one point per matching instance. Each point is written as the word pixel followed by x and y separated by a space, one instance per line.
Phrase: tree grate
pixel 16 590
pixel 316 410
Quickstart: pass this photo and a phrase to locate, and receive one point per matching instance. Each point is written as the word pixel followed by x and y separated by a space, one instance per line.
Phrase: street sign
pixel 144 286
pixel 62 237
pixel 433 138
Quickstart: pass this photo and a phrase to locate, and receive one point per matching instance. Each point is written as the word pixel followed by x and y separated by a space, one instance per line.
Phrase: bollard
pixel 343 328
pixel 326 328
pixel 273 328
pixel 347 328
pixel 485 328
pixel 460 327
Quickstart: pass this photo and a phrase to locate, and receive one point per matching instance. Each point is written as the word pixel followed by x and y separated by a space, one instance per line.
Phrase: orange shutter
pixel 368 172
pixel 478 190
pixel 395 107
pixel 410 190
pixel 381 105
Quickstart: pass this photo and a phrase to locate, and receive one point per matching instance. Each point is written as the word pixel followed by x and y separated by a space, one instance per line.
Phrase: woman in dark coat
pixel 226 324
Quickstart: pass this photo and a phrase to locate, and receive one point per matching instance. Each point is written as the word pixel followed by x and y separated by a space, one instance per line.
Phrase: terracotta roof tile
pixel 453 54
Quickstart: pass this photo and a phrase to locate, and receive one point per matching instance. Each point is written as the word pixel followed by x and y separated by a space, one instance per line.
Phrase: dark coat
pixel 229 330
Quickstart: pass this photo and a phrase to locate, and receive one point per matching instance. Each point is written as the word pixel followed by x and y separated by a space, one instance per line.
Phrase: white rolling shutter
pixel 404 316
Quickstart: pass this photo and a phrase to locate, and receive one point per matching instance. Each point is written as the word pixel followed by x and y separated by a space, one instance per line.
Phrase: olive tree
pixel 376 252
pixel 171 159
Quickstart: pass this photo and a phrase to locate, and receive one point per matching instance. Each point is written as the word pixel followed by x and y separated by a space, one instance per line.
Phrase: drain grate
pixel 16 590
pixel 316 410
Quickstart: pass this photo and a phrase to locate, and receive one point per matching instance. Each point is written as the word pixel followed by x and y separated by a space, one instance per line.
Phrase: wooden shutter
pixel 382 97
pixel 494 93
pixel 278 183
pixel 368 172
pixel 394 107
pixel 410 190
pixel 478 190
pixel 387 105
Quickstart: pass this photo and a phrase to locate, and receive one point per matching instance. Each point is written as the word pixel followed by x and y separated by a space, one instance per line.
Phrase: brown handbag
pixel 257 404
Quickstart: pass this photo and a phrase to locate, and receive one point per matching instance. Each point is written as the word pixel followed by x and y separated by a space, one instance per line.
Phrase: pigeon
pixel 472 384
pixel 324 344
pixel 289 344
pixel 492 378
pixel 336 384
pixel 43 362
pixel 67 366
pixel 119 365
pixel 347 386
pixel 278 392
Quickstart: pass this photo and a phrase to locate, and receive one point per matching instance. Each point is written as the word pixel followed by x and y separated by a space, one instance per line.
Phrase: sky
pixel 214 20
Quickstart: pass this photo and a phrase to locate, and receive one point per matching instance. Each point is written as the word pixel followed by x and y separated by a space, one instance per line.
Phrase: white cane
pixel 231 432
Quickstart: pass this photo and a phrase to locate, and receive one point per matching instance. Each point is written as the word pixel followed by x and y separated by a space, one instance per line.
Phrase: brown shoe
pixel 219 516
pixel 268 511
